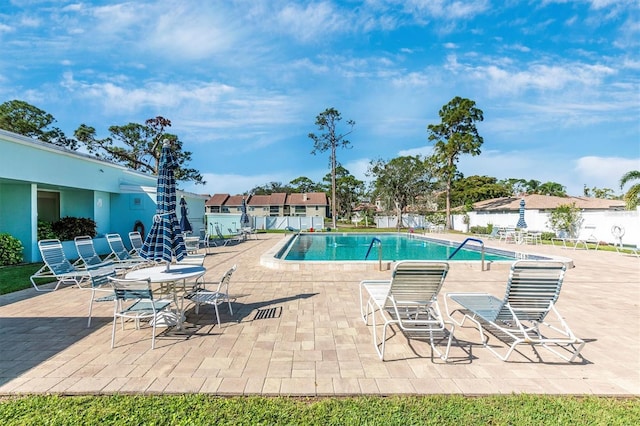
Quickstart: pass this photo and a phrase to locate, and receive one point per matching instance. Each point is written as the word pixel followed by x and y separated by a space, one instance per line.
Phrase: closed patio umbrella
pixel 521 222
pixel 184 220
pixel 244 217
pixel 164 241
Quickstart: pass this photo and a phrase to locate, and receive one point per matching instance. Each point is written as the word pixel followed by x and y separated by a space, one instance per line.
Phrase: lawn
pixel 418 410
pixel 14 278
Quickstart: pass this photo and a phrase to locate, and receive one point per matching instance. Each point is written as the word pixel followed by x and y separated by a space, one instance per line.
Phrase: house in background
pixel 42 181
pixel 264 210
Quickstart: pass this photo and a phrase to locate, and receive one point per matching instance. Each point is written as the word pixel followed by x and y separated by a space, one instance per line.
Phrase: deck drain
pixel 268 313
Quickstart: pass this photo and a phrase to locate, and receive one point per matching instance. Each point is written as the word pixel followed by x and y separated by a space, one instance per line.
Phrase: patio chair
pixel 586 236
pixel 89 258
pixel 136 243
pixel 119 252
pixel 226 240
pixel 58 268
pixel 409 300
pixel 134 300
pixel 201 295
pixel 533 288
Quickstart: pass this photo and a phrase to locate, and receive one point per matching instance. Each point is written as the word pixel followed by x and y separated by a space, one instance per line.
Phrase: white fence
pixel 604 221
pixel 226 221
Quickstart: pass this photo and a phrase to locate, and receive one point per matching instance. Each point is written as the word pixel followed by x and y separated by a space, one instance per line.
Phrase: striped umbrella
pixel 164 241
pixel 521 222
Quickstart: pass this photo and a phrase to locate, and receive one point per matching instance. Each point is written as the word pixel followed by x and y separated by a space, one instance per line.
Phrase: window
pixel 300 210
pixel 274 211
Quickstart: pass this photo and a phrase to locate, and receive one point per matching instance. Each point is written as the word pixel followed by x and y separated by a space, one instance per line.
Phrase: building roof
pixel 275 199
pixel 546 202
pixel 308 198
pixel 217 200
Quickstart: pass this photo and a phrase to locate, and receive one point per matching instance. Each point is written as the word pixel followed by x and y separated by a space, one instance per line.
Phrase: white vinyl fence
pixel 604 221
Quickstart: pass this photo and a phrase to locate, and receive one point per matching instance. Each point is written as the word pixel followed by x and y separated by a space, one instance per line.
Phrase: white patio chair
pixel 533 288
pixel 134 300
pixel 201 295
pixel 409 300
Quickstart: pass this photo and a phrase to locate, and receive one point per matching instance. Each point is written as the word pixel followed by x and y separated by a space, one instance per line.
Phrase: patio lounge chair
pixel 141 305
pixel 584 238
pixel 119 252
pixel 227 240
pixel 533 288
pixel 136 243
pixel 203 296
pixel 88 259
pixel 408 299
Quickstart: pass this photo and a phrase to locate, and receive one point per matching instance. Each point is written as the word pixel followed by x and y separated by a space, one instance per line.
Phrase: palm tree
pixel 633 194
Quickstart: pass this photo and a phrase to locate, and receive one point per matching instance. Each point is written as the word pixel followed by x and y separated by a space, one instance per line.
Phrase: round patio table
pixel 175 274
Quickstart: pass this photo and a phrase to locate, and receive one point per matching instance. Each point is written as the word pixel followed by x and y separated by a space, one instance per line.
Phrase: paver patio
pixel 300 333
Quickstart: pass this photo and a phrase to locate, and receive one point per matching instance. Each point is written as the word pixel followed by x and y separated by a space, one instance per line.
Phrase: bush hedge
pixel 11 250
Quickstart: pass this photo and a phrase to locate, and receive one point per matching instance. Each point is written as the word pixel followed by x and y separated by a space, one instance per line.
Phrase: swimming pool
pixel 394 247
pixel 276 256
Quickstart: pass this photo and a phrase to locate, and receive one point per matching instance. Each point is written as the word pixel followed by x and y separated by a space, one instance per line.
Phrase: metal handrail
pixel 374 240
pixel 465 242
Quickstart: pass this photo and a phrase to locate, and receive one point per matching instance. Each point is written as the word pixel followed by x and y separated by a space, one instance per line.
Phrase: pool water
pixel 394 247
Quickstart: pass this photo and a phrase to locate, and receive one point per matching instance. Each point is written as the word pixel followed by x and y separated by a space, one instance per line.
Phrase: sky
pixel 242 81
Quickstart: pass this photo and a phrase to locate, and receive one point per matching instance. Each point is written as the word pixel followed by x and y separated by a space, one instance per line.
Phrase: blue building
pixel 41 181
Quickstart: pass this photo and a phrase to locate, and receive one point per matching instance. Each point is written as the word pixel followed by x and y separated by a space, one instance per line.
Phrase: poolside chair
pixel 585 237
pixel 136 243
pixel 201 295
pixel 119 252
pixel 227 240
pixel 408 299
pixel 134 300
pixel 88 259
pixel 533 288
pixel 58 268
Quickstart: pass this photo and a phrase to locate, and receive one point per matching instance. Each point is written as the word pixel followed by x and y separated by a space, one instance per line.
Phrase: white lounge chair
pixel 533 288
pixel 409 300
pixel 119 252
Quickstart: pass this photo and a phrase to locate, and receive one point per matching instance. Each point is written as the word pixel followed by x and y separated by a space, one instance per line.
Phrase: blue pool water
pixel 394 247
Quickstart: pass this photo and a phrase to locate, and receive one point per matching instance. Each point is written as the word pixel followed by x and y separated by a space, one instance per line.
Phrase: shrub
pixel 10 250
pixel 45 231
pixel 68 228
pixel 567 218
pixel 482 230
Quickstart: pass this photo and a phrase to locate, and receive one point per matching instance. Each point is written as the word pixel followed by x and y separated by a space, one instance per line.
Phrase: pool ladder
pixel 373 241
pixel 465 242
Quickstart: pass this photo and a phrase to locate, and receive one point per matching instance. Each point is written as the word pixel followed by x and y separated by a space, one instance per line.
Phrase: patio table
pixel 169 281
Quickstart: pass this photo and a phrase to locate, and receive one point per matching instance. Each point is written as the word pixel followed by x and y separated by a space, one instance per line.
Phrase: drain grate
pixel 268 313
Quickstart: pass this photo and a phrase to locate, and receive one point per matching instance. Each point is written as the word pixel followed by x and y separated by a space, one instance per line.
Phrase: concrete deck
pixel 300 333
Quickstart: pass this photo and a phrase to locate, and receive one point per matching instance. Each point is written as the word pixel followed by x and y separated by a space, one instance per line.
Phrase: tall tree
pixel 327 122
pixel 632 196
pixel 399 181
pixel 349 190
pixel 139 147
pixel 28 120
pixel 455 135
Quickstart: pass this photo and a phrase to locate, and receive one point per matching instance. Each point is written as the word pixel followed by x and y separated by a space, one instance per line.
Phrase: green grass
pixel 14 278
pixel 418 410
